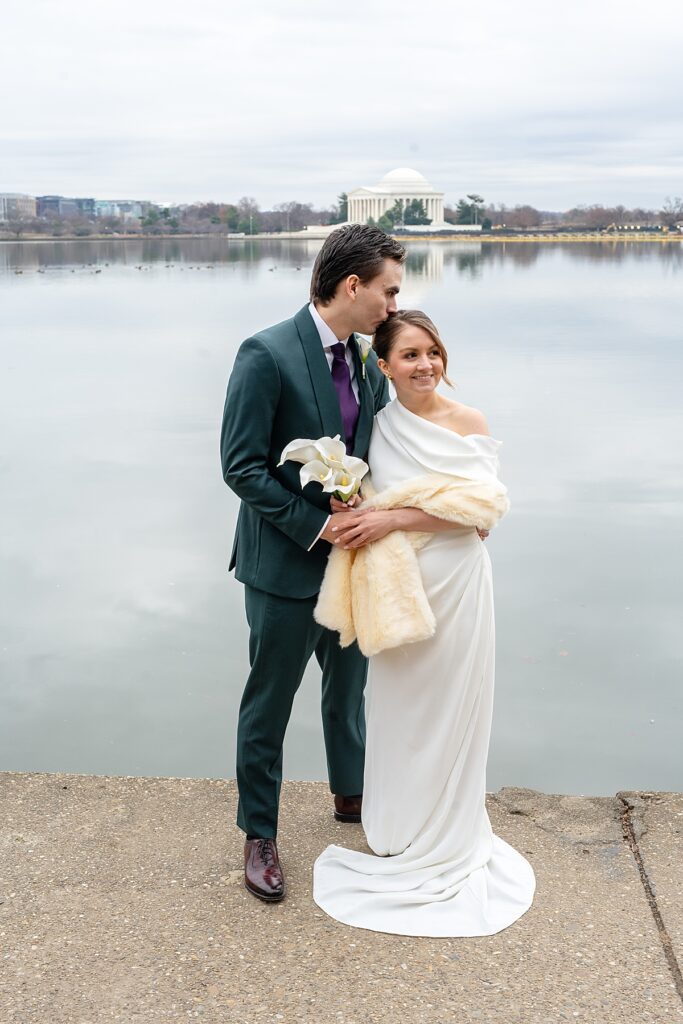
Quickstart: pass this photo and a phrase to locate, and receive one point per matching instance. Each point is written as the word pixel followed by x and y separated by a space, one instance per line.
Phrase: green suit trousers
pixel 283 636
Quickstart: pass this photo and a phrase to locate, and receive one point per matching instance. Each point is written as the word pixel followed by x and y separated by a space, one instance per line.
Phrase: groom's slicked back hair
pixel 353 249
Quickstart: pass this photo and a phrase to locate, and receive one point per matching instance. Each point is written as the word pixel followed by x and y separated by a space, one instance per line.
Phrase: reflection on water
pixel 426 260
pixel 195 252
pixel 122 638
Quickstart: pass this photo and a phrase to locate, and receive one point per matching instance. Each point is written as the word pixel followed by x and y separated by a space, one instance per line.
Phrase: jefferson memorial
pixel 403 183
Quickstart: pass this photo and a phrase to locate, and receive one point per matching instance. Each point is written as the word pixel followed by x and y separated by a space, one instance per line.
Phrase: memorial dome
pixel 404 185
pixel 405 179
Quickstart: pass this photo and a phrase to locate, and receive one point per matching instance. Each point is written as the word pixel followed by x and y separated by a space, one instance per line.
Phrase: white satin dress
pixel 437 868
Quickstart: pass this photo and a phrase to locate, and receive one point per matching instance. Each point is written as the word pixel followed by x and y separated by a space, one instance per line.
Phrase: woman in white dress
pixel 436 868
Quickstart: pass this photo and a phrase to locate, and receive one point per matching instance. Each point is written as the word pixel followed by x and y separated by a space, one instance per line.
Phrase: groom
pixel 303 378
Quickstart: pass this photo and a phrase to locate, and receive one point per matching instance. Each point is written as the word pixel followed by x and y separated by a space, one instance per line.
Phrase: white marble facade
pixel 403 183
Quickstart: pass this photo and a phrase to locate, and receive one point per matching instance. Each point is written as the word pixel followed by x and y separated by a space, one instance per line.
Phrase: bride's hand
pixel 365 526
pixel 343 506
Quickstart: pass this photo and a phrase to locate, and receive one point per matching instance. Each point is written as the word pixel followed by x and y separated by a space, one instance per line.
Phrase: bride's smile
pixel 415 363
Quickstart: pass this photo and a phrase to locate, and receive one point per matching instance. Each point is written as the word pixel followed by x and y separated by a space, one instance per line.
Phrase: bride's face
pixel 414 366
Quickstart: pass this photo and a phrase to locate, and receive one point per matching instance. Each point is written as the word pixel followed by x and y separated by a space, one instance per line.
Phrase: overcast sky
pixel 521 100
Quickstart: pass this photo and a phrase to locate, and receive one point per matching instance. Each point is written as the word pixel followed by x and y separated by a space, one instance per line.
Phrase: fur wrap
pixel 374 594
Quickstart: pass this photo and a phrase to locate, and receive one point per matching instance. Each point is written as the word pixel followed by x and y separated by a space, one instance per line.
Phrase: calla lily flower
pixel 325 462
pixel 364 347
pixel 299 451
pixel 354 466
pixel 332 450
pixel 342 485
pixel 317 472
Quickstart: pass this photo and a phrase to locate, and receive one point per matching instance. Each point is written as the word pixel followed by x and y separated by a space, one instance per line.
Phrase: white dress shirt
pixel 328 339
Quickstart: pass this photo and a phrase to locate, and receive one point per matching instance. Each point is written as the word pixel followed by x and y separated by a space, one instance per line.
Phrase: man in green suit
pixel 303 378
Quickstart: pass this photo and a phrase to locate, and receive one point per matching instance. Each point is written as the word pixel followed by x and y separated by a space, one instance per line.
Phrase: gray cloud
pixel 524 102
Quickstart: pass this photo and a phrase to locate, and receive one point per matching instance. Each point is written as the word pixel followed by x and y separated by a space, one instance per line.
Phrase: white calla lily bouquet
pixel 325 462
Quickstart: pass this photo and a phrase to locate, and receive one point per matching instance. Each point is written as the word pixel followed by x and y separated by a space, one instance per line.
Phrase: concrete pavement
pixel 121 899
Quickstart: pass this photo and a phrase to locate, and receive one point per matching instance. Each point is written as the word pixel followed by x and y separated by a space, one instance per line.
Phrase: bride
pixel 436 869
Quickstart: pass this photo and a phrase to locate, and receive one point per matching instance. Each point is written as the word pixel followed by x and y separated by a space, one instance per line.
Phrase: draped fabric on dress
pixel 437 867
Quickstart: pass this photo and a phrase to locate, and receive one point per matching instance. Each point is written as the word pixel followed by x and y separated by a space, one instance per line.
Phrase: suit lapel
pixel 367 403
pixel 325 391
pixel 321 378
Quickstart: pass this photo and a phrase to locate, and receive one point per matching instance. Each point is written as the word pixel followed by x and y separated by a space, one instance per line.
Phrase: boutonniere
pixel 364 347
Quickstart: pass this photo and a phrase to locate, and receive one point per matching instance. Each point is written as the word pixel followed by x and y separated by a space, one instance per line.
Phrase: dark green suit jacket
pixel 281 389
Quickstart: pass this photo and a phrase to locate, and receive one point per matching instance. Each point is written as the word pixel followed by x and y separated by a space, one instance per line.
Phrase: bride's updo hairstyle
pixel 387 333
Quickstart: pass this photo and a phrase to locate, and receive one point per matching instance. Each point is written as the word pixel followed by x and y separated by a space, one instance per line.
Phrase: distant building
pixel 57 206
pixel 15 205
pixel 402 184
pixel 48 205
pixel 86 207
pixel 132 208
pixel 125 208
pixel 64 206
pixel 106 208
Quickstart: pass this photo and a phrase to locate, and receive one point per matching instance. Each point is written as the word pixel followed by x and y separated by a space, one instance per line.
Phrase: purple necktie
pixel 341 375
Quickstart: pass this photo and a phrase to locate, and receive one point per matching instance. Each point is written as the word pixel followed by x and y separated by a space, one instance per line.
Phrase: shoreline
pixel 496 238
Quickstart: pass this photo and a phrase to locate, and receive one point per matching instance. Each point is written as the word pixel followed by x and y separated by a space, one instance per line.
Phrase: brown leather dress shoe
pixel 347 808
pixel 262 872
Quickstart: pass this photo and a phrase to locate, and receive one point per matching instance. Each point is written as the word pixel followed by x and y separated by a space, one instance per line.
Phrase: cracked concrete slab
pixel 658 824
pixel 122 899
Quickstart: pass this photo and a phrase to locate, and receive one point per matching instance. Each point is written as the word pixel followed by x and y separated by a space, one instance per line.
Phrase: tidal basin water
pixel 123 644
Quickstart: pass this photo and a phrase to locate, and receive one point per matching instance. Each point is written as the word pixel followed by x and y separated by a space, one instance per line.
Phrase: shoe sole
pixel 353 819
pixel 262 896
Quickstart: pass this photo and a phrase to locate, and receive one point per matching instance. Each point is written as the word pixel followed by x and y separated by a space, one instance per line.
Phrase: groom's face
pixel 376 300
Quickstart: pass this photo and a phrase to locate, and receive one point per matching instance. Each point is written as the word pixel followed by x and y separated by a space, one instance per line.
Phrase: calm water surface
pixel 123 646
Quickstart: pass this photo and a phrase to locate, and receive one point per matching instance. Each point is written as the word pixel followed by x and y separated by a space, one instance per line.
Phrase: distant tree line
pixel 246 217
pixel 243 217
pixel 473 210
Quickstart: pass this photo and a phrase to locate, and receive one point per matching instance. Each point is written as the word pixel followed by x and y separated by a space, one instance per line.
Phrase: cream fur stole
pixel 375 594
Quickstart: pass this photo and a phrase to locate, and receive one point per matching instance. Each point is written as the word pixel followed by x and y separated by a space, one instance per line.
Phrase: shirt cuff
pixel 320 534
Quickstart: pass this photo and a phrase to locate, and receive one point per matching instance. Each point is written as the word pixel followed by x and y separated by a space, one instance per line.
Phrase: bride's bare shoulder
pixel 465 419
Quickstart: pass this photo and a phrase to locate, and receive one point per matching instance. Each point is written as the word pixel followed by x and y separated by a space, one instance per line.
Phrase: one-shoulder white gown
pixel 437 867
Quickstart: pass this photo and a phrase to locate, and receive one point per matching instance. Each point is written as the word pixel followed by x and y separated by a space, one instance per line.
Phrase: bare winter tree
pixel 671 212
pixel 249 215
pixel 295 216
pixel 523 217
